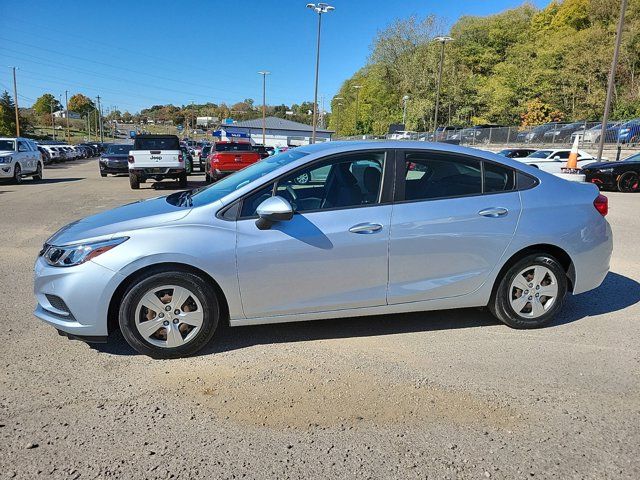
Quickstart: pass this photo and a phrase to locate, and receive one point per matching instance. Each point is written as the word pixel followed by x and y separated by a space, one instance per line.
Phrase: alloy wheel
pixel 533 291
pixel 169 316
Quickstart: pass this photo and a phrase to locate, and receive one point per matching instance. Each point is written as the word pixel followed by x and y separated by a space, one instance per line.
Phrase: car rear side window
pixel 498 178
pixel 431 175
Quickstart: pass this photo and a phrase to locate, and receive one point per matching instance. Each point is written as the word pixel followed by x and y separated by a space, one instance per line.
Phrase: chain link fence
pixel 623 134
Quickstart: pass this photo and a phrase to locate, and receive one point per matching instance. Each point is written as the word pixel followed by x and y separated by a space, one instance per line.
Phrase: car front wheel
pixel 169 314
pixel 530 293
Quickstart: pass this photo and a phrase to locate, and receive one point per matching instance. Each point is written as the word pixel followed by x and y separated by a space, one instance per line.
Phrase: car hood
pixel 134 216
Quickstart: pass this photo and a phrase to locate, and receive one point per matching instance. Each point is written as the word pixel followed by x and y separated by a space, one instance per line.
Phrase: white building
pixel 63 114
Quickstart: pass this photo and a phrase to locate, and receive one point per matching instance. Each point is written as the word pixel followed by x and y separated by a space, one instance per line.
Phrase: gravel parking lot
pixel 433 395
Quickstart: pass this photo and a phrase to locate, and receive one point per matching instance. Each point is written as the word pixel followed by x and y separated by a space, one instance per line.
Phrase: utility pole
pixel 357 87
pixel 264 74
pixel 612 74
pixel 443 41
pixel 15 102
pixel 66 101
pixel 53 121
pixel 100 120
pixel 319 8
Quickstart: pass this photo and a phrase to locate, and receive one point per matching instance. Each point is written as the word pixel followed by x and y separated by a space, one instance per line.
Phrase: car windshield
pixel 119 149
pixel 633 158
pixel 232 147
pixel 540 154
pixel 211 193
pixel 7 145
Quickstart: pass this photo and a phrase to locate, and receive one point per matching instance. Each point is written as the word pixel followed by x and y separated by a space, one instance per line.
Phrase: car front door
pixel 453 218
pixel 333 253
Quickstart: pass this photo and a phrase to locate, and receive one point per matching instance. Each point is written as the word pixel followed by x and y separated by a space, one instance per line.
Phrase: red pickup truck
pixel 228 157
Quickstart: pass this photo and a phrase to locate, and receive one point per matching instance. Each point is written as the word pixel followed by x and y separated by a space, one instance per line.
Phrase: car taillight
pixel 602 204
pixel 179 157
pixel 130 158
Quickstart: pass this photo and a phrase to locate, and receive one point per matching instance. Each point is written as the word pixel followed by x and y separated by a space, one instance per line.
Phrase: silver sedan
pixel 324 231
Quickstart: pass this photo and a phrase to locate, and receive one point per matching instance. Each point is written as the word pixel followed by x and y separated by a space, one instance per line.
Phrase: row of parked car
pixel 549 133
pixel 59 152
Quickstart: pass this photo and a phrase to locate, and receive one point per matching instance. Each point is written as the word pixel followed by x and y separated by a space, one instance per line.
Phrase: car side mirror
pixel 272 210
pixel 557 158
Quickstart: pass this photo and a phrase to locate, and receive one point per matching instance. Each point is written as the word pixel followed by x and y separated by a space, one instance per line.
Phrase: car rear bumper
pixel 158 171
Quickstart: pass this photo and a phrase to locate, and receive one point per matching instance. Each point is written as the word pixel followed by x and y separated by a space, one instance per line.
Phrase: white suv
pixel 19 157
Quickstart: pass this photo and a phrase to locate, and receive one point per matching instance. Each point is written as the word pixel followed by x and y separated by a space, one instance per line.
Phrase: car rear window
pixel 157 143
pixel 232 147
pixel 119 149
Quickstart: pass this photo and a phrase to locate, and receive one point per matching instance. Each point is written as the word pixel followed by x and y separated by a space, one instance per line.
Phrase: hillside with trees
pixel 520 67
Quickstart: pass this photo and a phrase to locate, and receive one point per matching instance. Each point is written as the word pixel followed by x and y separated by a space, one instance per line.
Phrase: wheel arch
pixel 118 294
pixel 558 253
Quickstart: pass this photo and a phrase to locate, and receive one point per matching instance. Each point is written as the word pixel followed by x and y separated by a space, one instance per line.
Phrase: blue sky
pixel 139 53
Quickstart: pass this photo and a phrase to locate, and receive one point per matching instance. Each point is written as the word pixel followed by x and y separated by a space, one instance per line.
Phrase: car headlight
pixel 6 159
pixel 606 170
pixel 71 255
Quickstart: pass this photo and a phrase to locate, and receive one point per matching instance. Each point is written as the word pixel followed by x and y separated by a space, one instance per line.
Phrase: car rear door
pixel 453 218
pixel 333 253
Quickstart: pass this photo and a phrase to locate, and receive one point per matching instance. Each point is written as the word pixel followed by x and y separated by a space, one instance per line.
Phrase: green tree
pixel 81 104
pixel 7 115
pixel 45 104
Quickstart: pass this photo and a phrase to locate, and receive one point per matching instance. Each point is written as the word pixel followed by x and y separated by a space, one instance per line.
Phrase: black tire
pixel 103 175
pixel 38 175
pixel 206 296
pixel 629 182
pixel 134 181
pixel 17 174
pixel 182 180
pixel 500 304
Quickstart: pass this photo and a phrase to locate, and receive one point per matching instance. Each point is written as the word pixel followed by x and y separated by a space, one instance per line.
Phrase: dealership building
pixel 279 132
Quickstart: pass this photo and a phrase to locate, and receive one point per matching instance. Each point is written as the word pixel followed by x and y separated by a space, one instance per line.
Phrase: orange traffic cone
pixel 572 162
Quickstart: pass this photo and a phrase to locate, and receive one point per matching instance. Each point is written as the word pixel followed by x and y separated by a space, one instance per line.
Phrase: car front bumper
pixel 75 300
pixel 6 170
pixel 114 167
pixel 602 179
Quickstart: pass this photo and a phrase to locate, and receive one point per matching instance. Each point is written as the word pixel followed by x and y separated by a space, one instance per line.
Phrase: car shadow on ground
pixel 616 293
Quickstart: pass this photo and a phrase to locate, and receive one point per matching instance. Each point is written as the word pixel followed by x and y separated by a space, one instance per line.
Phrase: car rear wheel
pixel 134 181
pixel 629 182
pixel 38 175
pixel 530 293
pixel 169 314
pixel 182 180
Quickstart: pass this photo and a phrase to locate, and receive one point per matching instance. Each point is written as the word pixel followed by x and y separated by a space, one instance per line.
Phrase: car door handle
pixel 366 228
pixel 493 212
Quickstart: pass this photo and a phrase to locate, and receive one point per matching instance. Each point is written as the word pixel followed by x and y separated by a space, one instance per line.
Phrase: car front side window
pixel 346 181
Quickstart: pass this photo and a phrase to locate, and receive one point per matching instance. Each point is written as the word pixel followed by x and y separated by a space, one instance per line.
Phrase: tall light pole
pixel 319 8
pixel 357 87
pixel 264 74
pixel 15 102
pixel 405 99
pixel 443 41
pixel 612 74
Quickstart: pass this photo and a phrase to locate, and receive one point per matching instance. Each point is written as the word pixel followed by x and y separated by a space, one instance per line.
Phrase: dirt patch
pixel 308 397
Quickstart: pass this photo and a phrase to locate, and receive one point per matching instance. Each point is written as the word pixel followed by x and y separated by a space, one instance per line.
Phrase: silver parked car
pixel 377 228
